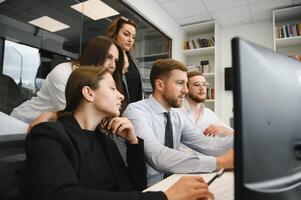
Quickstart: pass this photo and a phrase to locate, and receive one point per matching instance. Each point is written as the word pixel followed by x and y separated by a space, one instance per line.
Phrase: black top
pixel 133 79
pixel 66 162
pixel 95 152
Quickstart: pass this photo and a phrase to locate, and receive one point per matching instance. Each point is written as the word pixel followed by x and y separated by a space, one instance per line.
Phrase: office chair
pixel 10 94
pixel 12 163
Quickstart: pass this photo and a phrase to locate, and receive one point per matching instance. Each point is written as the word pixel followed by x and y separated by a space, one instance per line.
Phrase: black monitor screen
pixel 228 78
pixel 267 122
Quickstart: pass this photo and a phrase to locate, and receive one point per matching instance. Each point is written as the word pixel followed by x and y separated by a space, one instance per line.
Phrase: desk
pixel 222 188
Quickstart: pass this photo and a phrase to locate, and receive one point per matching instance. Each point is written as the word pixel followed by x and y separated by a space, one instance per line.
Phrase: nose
pixel 112 65
pixel 130 39
pixel 120 96
pixel 185 89
pixel 202 87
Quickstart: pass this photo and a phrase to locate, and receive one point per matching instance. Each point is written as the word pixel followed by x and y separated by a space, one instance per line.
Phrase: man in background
pixel 163 128
pixel 195 111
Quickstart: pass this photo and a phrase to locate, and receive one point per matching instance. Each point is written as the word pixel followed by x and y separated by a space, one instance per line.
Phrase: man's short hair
pixel 194 73
pixel 161 69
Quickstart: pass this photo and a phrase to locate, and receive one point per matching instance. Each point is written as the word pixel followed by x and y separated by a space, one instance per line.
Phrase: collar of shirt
pixel 187 110
pixel 156 106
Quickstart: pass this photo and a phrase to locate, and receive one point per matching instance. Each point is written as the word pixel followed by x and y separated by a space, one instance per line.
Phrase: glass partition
pixel 36 35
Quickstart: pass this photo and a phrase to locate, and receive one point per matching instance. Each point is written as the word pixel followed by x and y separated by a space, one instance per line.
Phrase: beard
pixel 197 98
pixel 172 101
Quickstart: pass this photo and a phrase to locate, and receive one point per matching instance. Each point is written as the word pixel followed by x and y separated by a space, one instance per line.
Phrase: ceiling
pixel 15 15
pixel 225 12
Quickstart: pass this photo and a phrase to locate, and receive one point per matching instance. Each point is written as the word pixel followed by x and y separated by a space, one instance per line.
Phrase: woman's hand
pixel 189 188
pixel 44 117
pixel 122 127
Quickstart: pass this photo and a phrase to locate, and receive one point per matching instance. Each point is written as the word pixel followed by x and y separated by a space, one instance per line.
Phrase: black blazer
pixel 133 86
pixel 55 167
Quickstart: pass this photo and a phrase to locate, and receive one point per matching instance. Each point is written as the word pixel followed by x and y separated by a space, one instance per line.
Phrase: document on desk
pixel 11 125
pixel 222 187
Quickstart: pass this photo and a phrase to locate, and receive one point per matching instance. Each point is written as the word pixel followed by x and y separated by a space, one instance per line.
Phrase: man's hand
pixel 44 117
pixel 214 130
pixel 122 127
pixel 226 160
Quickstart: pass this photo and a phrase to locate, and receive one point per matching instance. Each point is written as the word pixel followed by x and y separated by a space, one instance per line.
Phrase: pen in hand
pixel 217 175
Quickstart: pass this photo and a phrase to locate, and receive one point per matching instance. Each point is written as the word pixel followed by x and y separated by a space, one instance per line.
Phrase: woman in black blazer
pixel 73 158
pixel 123 31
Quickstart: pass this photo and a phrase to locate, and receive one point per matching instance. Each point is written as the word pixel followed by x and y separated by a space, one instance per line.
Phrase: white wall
pixel 154 13
pixel 260 33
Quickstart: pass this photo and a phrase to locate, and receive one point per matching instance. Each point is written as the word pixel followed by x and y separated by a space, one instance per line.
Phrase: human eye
pixel 180 82
pixel 110 56
pixel 126 33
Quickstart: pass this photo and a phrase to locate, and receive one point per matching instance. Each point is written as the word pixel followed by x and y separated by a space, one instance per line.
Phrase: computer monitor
pixel 267 122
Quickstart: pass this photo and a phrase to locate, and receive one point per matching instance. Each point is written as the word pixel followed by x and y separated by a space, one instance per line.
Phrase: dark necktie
pixel 168 136
pixel 168 131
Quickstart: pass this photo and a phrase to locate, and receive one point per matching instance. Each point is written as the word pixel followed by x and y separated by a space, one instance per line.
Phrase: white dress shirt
pixel 149 123
pixel 50 98
pixel 207 117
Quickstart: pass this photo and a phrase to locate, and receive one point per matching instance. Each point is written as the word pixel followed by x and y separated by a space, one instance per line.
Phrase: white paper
pixel 10 125
pixel 222 187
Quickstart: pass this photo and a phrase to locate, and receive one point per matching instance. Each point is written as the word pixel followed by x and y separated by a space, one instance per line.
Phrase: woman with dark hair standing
pixel 72 159
pixel 100 50
pixel 123 31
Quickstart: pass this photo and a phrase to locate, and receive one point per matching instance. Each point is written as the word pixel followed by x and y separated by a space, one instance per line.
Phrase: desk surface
pixel 222 188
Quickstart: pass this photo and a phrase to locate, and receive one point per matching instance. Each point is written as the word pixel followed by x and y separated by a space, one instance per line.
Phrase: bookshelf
pixel 287 31
pixel 199 43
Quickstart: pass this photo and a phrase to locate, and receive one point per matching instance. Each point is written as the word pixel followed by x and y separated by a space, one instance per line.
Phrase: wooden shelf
pixel 288 42
pixel 199 51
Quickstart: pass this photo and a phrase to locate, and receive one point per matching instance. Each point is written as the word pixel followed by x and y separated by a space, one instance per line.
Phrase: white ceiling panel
pixel 256 1
pixel 182 9
pixel 226 12
pixel 215 5
pixel 161 1
pixel 297 2
pixel 233 16
pixel 193 19
pixel 264 11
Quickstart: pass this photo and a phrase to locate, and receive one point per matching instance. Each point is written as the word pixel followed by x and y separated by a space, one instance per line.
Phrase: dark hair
pixel 161 69
pixel 194 73
pixel 95 51
pixel 115 26
pixel 79 78
pixel 118 72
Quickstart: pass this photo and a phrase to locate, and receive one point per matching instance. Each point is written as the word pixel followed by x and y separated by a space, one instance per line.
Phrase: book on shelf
pixel 288 30
pixel 210 93
pixel 199 42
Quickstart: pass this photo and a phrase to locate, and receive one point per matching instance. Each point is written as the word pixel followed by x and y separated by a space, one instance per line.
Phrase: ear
pixel 159 85
pixel 88 93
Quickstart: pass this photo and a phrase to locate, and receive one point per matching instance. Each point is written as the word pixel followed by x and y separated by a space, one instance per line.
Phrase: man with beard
pixel 193 108
pixel 163 128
